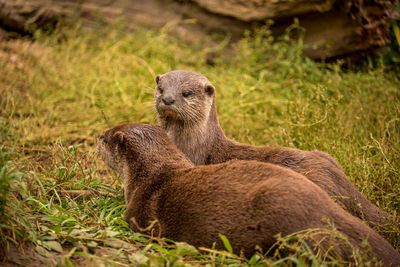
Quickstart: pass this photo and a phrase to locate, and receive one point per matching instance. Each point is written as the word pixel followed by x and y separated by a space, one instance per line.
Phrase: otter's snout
pixel 168 101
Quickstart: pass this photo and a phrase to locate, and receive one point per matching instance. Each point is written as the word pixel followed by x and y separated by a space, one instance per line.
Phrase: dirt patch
pixel 25 255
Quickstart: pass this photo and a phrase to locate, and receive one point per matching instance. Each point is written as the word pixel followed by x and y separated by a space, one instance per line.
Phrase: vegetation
pixel 59 93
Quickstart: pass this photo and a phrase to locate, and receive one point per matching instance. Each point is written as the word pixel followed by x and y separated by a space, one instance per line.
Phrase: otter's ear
pixel 158 77
pixel 209 89
pixel 120 139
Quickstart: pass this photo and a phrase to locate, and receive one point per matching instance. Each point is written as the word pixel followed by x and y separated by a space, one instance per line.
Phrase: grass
pixel 59 93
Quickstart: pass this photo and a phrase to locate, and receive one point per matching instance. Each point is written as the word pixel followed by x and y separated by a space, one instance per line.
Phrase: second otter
pixel 185 102
pixel 250 202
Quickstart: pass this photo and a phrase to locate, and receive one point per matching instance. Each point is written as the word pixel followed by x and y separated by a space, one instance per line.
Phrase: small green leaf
pixel 50 236
pixel 42 251
pixel 159 248
pixel 226 243
pixel 76 232
pixel 69 220
pixel 183 248
pixel 112 233
pixel 297 262
pixel 254 259
pixel 64 261
pixel 155 260
pixel 146 248
pixel 54 245
pixel 140 258
pixel 284 260
pixel 91 244
pixel 116 243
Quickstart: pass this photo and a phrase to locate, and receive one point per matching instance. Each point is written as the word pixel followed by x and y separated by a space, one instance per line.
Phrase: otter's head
pixel 183 97
pixel 134 148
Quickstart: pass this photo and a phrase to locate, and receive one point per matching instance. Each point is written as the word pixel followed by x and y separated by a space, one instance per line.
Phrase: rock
pixel 253 10
pixel 334 28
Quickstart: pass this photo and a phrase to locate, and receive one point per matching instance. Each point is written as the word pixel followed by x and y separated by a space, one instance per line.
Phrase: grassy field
pixel 59 93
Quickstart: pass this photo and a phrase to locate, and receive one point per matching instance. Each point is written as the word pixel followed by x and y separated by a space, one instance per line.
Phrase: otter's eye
pixel 186 94
pixel 160 90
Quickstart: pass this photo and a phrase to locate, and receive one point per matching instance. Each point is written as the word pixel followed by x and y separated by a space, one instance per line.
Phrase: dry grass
pixel 60 92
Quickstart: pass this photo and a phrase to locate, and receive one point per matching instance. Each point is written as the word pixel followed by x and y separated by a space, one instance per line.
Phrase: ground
pixel 60 91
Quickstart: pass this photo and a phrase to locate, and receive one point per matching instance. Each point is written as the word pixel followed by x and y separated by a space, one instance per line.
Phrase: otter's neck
pixel 196 140
pixel 143 183
pixel 150 168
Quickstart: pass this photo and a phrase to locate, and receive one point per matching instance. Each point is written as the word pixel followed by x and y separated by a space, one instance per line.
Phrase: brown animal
pixel 247 201
pixel 185 102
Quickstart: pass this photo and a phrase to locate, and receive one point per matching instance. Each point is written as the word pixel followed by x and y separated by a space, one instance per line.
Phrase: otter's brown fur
pixel 191 121
pixel 248 201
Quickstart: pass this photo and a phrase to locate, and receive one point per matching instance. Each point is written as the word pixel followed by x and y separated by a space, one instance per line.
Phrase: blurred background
pixel 332 28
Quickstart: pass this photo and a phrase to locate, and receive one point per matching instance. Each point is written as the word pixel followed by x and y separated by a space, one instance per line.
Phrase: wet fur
pixel 247 201
pixel 197 133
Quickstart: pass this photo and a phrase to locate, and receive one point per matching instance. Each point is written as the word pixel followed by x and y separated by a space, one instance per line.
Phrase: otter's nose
pixel 168 101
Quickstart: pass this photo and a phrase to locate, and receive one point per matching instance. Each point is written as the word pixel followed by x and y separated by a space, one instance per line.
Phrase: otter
pixel 249 202
pixel 186 107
